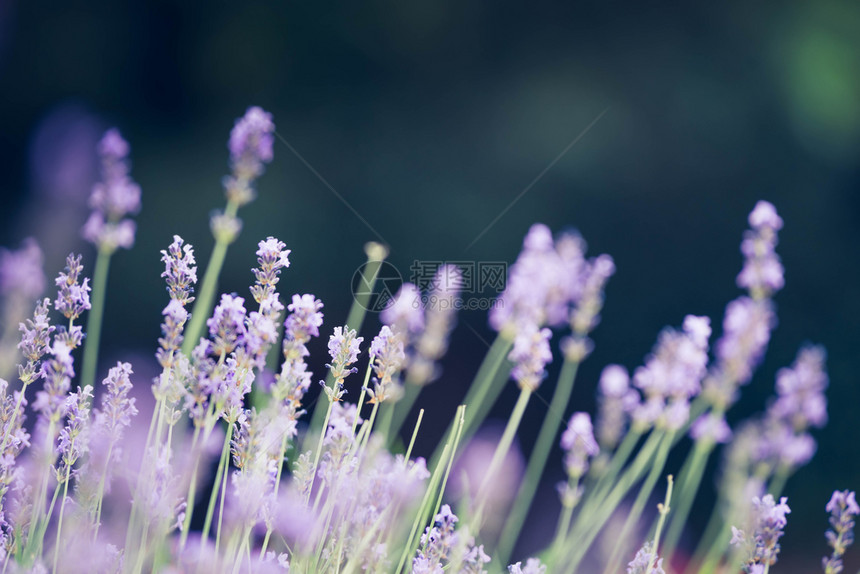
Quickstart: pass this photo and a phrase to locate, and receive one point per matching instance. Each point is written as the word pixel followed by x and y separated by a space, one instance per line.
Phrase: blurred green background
pixel 430 117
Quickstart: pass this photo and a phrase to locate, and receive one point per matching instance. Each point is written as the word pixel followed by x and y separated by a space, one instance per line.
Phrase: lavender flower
pixel 711 427
pixel 748 320
pixel 768 521
pixel 305 318
pixel 387 356
pixel 72 298
pixel 746 332
pixel 533 566
pixel 438 542
pixel 117 408
pixel 842 508
pixel 35 338
pixel 586 313
pixel 800 390
pixel 672 375
pixel 57 373
pixel 343 349
pixel 21 273
pixel 180 270
pixel 113 198
pixel 643 562
pixel 530 355
pixel 439 319
pixel 250 148
pixel 227 324
pixel 73 441
pixel 579 445
pixel 762 273
pixel 404 313
pixel 271 257
pixel 615 399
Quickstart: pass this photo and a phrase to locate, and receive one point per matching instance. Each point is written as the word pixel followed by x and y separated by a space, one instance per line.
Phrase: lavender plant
pixel 96 489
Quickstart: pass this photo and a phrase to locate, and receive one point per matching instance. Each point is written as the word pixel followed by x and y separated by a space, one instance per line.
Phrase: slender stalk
pixel 100 493
pixel 688 485
pixel 640 502
pixel 561 530
pixel 499 455
pixel 319 449
pixel 584 532
pixel 663 509
pixel 221 507
pixel 225 454
pixel 277 486
pixel 94 319
pixel 361 397
pixel 537 460
pixel 206 295
pixel 414 434
pixel 60 519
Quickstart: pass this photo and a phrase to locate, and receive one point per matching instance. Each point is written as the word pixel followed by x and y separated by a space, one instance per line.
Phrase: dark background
pixel 429 118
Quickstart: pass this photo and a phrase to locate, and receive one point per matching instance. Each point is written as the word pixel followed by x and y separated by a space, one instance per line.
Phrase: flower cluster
pixel 672 375
pixel 761 546
pixel 329 494
pixel 113 198
pixel 842 508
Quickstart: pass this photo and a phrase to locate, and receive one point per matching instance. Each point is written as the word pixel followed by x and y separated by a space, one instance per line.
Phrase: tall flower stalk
pixel 113 199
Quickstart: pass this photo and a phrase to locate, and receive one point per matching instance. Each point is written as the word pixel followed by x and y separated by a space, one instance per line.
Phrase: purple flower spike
pixel 642 563
pixel 530 355
pixel 762 273
pixel 180 270
pixel 768 522
pixel 305 318
pixel 387 356
pixel 227 324
pixel 72 298
pixel 842 508
pixel 271 257
pixel 405 312
pixel 250 149
pixel 113 198
pixel 343 349
pixel 579 444
pixel 21 273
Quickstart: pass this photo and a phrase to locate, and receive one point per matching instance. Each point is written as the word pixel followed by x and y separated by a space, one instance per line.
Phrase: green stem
pixel 479 393
pixel 537 461
pixel 60 519
pixel 689 481
pixel 206 295
pixel 213 498
pixel 640 502
pixel 277 486
pixel 100 493
pixel 500 454
pixel 319 448
pixel 94 320
pixel 663 509
pixel 584 532
pixel 414 434
pixel 563 526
